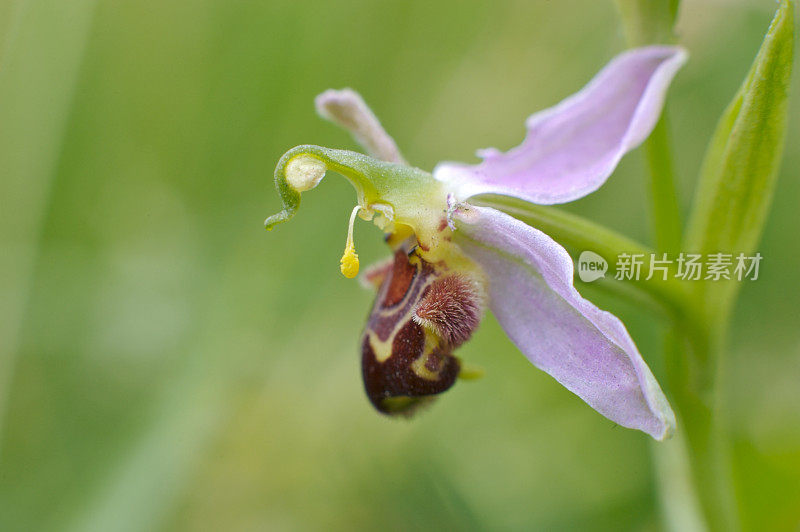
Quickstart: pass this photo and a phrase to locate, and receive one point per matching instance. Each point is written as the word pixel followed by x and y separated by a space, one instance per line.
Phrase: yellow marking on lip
pixel 419 367
pixel 382 350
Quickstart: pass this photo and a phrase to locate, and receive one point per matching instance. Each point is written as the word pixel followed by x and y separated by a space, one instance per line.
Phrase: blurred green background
pixel 166 364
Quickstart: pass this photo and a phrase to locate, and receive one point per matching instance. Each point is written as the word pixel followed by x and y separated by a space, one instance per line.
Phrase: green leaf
pixel 741 164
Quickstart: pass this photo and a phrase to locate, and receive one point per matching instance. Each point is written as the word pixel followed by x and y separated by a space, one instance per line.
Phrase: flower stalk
pixel 730 208
pixel 665 211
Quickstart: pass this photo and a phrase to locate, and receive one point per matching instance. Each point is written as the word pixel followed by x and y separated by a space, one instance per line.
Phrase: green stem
pixel 693 375
pixel 679 503
pixel 666 217
pixel 648 21
pixel 705 471
pixel 693 368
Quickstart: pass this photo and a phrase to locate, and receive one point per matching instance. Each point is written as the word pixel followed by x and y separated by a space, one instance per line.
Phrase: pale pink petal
pixel 348 109
pixel 572 148
pixel 584 348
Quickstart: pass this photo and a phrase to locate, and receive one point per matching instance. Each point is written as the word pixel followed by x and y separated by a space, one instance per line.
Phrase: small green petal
pixel 407 195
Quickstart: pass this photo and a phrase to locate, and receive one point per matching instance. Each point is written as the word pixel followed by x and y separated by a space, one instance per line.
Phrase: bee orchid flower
pixel 450 259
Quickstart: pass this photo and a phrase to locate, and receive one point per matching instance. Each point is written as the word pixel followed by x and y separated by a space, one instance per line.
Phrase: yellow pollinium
pixel 349 262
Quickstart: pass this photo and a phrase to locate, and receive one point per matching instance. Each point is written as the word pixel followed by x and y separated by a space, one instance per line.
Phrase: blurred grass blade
pixel 741 163
pixel 648 21
pixel 141 489
pixel 39 66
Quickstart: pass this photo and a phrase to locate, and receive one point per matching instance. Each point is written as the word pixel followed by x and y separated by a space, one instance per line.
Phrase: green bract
pixel 741 164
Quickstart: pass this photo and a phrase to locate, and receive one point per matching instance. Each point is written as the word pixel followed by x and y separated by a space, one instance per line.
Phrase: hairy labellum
pixel 451 307
pixel 421 313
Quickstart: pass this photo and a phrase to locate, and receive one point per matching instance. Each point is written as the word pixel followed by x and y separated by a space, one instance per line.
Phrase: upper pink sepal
pixel 572 148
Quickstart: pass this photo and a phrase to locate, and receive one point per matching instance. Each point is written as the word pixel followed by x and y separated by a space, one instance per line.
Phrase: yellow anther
pixel 349 262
